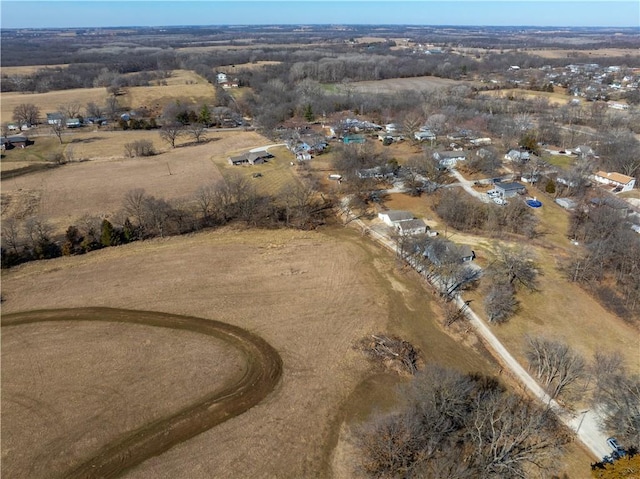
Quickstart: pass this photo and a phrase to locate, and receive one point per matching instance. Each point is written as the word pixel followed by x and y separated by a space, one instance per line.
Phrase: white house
pixel 391 216
pixel 411 227
pixel 480 141
pixel 424 135
pixel 449 158
pixel 617 180
pixel 221 77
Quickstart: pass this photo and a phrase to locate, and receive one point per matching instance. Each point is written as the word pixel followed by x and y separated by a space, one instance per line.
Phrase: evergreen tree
pixel 107 233
pixel 308 113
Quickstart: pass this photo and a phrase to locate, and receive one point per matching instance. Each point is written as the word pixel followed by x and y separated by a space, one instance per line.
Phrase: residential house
pixel 16 141
pixel 251 158
pixel 509 190
pixel 411 227
pixel 449 159
pixel 55 118
pixel 377 172
pixel 73 123
pixel 517 155
pixel 441 251
pixel 221 77
pixel 424 135
pixel 391 216
pixel 480 141
pixel 619 181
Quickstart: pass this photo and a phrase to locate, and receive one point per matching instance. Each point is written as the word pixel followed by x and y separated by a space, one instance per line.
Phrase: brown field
pixel 183 85
pixel 311 295
pixel 115 375
pixel 98 187
pixel 558 98
pixel 28 69
pixel 400 84
pixel 581 55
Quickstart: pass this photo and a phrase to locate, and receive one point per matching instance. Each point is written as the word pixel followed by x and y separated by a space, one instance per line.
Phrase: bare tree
pixel 197 131
pixel 617 395
pixel 70 110
pixel 171 132
pixel 500 302
pixel 26 113
pixel 11 234
pixel 555 363
pixel 94 110
pixel 517 266
pixel 134 205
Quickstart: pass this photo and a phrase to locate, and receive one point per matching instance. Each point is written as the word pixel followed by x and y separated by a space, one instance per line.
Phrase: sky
pixel 114 13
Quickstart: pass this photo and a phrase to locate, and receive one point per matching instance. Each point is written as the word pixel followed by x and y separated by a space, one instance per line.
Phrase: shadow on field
pixel 264 369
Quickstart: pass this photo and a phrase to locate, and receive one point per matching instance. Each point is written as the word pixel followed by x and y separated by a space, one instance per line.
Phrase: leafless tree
pixel 517 266
pixel 197 131
pixel 57 128
pixel 460 426
pixel 70 110
pixel 26 113
pixel 134 205
pixel 555 363
pixel 11 234
pixel 112 108
pixel 511 434
pixel 617 395
pixel 500 302
pixel 92 109
pixel 171 132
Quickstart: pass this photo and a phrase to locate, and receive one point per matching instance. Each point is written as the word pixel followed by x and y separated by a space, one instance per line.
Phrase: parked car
pixel 617 449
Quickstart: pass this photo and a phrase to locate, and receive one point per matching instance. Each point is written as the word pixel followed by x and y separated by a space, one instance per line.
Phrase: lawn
pixel 564 162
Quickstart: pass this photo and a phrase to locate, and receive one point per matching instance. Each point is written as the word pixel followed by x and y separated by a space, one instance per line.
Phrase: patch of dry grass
pixel 28 69
pixel 183 85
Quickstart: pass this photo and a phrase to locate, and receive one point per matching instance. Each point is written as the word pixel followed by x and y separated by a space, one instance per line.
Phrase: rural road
pixel 263 372
pixel 584 424
pixel 468 186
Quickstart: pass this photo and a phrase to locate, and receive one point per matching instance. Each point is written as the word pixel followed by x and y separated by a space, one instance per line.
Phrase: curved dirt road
pixel 264 369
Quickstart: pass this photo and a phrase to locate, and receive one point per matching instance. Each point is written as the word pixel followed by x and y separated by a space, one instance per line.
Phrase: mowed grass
pixel 276 173
pixel 37 152
pixel 183 85
pixel 564 162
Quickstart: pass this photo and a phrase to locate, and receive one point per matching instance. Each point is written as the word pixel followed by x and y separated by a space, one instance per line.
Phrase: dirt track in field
pixel 264 369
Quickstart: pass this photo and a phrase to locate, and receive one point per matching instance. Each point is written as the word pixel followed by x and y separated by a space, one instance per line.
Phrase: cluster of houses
pixel 589 81
pixel 225 82
pixel 57 119
pixel 307 144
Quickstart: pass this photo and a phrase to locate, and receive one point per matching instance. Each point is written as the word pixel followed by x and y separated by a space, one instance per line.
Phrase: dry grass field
pixel 311 295
pixel 98 187
pixel 392 85
pixel 117 376
pixel 28 69
pixel 557 98
pixel 584 55
pixel 183 85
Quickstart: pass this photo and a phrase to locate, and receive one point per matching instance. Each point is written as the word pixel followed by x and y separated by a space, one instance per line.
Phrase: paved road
pixel 584 424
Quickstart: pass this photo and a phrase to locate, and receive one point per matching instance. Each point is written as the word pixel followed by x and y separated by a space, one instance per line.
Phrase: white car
pixel 499 201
